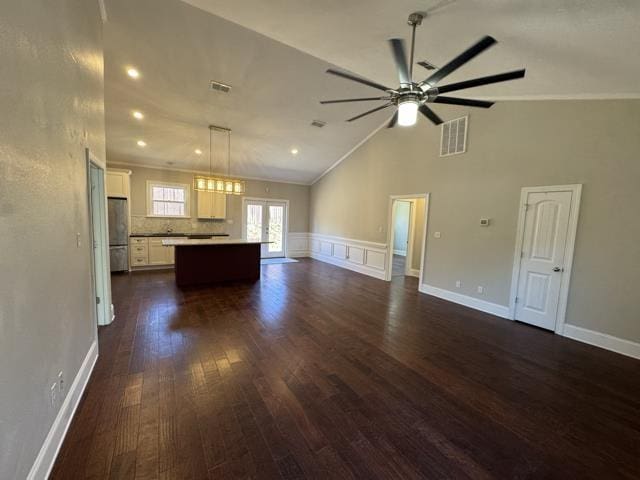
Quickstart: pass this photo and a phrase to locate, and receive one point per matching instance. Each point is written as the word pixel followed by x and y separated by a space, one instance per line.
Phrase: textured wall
pixel 298 196
pixel 51 108
pixel 512 145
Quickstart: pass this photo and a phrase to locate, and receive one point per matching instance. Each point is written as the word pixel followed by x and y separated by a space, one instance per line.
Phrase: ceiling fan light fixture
pixel 408 111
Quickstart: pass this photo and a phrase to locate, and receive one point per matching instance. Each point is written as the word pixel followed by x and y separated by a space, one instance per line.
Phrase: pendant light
pixel 227 185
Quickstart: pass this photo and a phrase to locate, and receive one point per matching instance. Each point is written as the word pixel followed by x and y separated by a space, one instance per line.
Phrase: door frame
pixel 285 233
pixel 565 281
pixel 107 305
pixel 412 222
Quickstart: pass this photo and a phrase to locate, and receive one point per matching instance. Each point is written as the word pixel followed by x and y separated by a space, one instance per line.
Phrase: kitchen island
pixel 202 261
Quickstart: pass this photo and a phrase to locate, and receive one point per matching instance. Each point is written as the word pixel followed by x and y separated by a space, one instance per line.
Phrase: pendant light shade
pixel 228 186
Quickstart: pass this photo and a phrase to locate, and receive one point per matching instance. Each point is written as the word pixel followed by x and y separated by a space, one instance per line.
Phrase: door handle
pixel 558 269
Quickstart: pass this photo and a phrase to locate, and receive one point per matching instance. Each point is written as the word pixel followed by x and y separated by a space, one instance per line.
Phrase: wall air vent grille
pixel 318 123
pixel 453 138
pixel 220 87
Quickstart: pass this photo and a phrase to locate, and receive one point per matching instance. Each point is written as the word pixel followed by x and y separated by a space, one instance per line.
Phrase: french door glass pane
pixel 254 223
pixel 276 224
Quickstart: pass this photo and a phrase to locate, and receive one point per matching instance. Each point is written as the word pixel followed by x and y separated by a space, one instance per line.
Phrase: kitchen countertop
pixel 178 234
pixel 182 242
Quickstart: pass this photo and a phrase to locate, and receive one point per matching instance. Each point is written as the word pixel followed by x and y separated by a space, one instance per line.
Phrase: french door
pixel 265 221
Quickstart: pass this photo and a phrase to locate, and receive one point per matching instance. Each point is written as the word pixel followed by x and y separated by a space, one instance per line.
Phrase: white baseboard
pixel 364 269
pixel 471 302
pixel 402 253
pixel 413 272
pixel 602 340
pixel 47 456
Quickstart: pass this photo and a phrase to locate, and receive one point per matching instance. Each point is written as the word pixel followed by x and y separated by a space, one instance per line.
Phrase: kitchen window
pixel 168 199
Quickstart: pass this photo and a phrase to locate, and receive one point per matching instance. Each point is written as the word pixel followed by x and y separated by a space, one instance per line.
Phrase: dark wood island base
pixel 204 263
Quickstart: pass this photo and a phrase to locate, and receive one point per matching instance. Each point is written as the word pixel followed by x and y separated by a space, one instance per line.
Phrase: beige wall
pixel 51 108
pixel 510 146
pixel 298 196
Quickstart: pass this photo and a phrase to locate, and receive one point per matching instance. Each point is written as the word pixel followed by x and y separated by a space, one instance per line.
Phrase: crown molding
pixel 117 164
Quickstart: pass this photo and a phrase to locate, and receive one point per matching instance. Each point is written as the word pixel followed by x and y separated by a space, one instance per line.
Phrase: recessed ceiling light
pixel 198 151
pixel 142 143
pixel 138 115
pixel 133 73
pixel 294 151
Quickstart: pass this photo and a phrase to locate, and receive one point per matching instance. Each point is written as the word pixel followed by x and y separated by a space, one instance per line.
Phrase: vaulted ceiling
pixel 274 55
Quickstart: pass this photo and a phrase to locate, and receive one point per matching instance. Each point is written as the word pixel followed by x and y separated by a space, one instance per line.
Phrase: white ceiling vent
pixel 221 87
pixel 454 137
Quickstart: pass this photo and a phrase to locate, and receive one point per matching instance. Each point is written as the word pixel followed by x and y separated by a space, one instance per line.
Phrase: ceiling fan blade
pixel 364 81
pixel 400 59
pixel 393 121
pixel 476 82
pixel 460 60
pixel 370 111
pixel 430 114
pixel 345 100
pixel 463 101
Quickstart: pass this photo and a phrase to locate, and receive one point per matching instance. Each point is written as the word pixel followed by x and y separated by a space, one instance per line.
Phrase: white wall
pixel 401 226
pixel 51 108
pixel 510 146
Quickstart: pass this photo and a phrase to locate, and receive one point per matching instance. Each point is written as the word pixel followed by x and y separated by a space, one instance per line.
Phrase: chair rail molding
pixel 362 256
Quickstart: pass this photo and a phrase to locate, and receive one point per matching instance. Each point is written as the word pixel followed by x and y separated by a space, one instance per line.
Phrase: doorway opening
pixel 99 240
pixel 402 232
pixel 407 235
pixel 543 256
pixel 266 220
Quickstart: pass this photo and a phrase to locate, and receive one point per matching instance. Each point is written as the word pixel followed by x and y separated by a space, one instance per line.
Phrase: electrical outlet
pixel 480 289
pixel 458 283
pixel 61 385
pixel 78 240
pixel 53 395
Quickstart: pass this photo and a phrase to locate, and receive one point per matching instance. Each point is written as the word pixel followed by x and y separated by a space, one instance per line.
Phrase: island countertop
pixel 185 242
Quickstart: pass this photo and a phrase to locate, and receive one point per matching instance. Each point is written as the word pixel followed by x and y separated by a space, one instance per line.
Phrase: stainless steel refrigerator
pixel 118 234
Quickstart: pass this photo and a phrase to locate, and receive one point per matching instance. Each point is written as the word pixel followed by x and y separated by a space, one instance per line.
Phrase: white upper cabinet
pixel 212 205
pixel 118 183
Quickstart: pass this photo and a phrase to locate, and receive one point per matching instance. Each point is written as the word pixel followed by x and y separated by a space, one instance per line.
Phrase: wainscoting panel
pixel 376 259
pixel 298 244
pixel 360 256
pixel 340 251
pixel 355 255
pixel 326 248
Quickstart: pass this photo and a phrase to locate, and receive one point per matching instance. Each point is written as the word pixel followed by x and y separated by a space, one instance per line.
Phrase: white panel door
pixel 543 251
pixel 265 221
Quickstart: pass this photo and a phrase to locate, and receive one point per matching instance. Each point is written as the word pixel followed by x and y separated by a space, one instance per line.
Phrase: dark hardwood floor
pixel 319 372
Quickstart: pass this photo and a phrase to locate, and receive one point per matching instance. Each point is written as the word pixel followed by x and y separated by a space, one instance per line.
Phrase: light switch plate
pixel 436 234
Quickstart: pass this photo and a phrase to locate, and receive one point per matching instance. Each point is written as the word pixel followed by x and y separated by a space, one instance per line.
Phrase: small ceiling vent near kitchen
pixel 220 87
pixel 318 123
pixel 453 138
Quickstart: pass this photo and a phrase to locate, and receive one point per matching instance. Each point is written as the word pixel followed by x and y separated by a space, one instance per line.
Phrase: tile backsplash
pixel 143 224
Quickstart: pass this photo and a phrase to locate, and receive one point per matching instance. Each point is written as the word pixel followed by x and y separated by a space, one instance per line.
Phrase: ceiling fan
pixel 411 96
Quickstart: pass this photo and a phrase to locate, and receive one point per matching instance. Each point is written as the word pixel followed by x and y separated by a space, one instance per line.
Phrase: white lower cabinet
pixel 150 252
